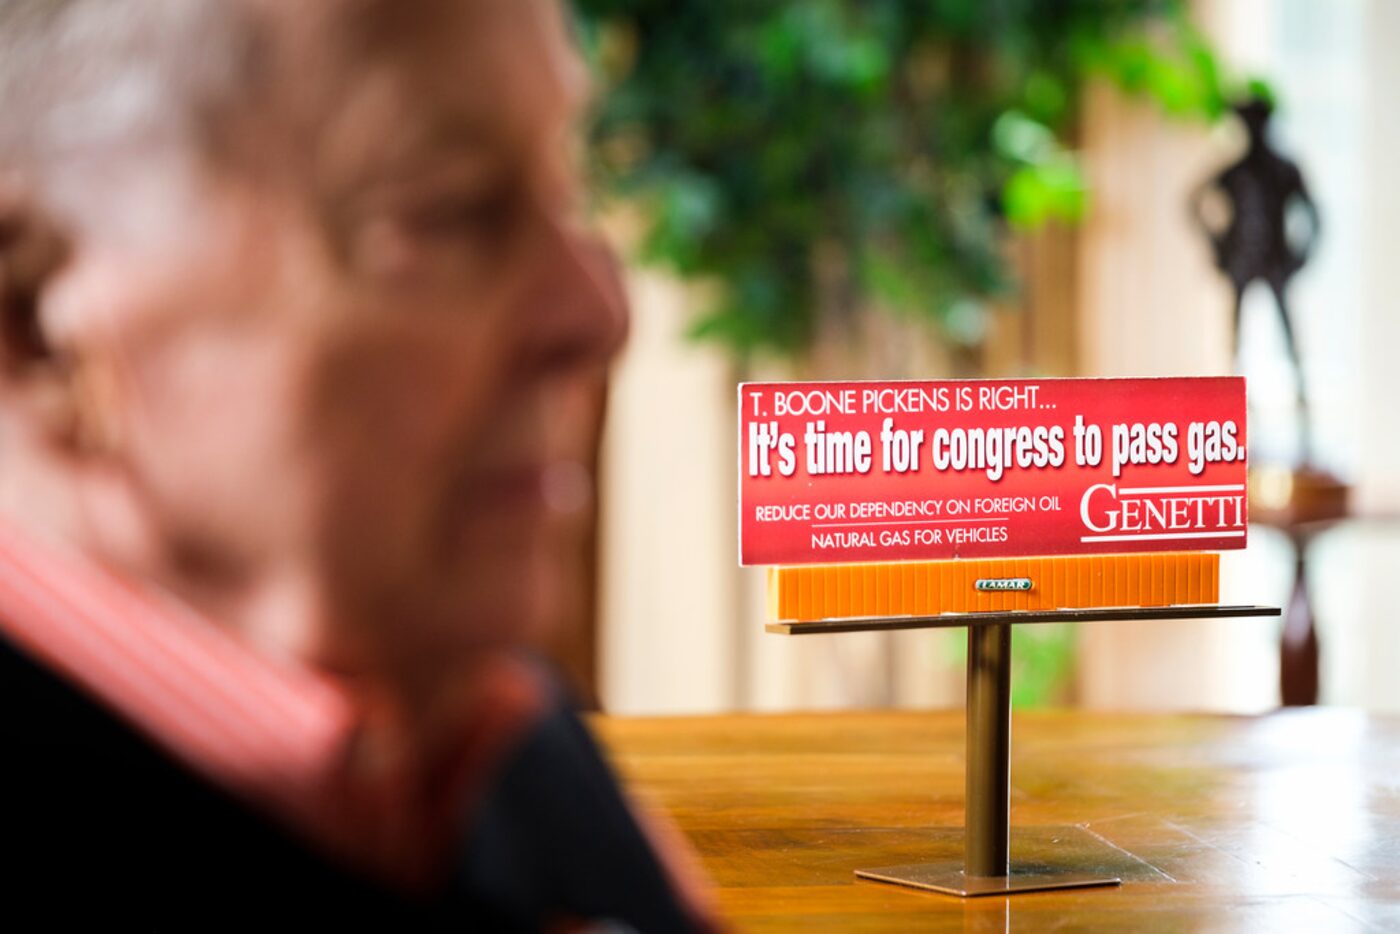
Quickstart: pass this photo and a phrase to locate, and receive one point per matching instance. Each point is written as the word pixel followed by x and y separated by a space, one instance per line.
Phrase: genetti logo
pixel 1162 513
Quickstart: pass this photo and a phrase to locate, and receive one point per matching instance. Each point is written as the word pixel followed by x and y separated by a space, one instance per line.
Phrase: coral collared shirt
pixel 286 740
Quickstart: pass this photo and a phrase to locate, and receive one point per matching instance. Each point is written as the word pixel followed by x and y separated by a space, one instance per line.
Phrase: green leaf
pixel 1019 138
pixel 1035 194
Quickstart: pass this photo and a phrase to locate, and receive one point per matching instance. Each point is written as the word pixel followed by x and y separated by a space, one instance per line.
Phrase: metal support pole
pixel 1049 857
pixel 987 831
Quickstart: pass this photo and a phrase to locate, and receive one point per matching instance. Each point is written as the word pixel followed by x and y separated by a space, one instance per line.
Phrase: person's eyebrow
pixel 455 139
pixel 459 150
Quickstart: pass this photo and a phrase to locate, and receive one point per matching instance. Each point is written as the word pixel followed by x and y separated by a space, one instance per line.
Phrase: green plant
pixel 813 159
pixel 1042 662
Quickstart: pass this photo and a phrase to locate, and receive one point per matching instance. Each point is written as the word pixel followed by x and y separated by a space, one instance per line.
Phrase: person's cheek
pixel 391 409
pixel 203 423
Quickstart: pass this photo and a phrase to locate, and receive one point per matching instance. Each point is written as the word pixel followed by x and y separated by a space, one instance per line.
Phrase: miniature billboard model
pixel 988 503
pixel 1067 493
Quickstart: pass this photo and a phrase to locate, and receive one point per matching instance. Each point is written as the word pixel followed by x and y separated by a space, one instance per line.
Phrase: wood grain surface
pixel 1289 821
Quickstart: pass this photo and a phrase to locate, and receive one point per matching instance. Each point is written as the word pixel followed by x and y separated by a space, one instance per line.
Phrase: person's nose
pixel 574 309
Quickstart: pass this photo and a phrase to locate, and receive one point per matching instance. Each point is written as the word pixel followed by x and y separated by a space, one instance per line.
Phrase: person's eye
pixel 482 217
pixel 435 233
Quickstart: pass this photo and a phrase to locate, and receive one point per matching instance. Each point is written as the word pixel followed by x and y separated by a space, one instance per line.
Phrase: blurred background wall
pixel 1130 290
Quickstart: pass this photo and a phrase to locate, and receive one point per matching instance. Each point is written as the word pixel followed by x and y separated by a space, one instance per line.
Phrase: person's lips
pixel 568 487
pixel 561 487
pixel 515 489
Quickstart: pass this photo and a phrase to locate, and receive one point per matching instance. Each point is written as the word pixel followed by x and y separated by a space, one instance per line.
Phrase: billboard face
pixel 836 472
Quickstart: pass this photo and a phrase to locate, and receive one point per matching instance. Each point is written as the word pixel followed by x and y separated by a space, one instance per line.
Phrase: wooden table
pixel 1284 822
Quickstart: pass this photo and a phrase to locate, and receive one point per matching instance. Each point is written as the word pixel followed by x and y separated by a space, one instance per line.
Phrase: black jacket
pixel 98 825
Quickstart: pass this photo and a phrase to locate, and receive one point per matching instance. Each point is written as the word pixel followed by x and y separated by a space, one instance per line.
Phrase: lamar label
pixel 1004 583
pixel 927 470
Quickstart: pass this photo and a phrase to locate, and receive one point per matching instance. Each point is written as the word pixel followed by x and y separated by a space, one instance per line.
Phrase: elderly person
pixel 295 327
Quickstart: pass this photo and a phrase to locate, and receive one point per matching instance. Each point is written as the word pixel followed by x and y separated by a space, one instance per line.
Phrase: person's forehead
pixel 446 68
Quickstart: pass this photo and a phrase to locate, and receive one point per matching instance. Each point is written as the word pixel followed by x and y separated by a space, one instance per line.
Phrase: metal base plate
pixel 949 879
pixel 1042 858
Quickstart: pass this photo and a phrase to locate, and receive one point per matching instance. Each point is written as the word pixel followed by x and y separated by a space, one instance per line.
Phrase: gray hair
pixel 80 75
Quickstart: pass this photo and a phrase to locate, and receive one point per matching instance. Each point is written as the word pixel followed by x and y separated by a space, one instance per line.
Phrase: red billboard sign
pixel 891 471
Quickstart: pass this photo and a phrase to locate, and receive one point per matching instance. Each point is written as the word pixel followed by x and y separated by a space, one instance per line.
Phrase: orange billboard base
pixel 927 588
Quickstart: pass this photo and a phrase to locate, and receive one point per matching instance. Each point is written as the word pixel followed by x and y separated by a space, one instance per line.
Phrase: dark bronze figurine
pixel 1256 242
